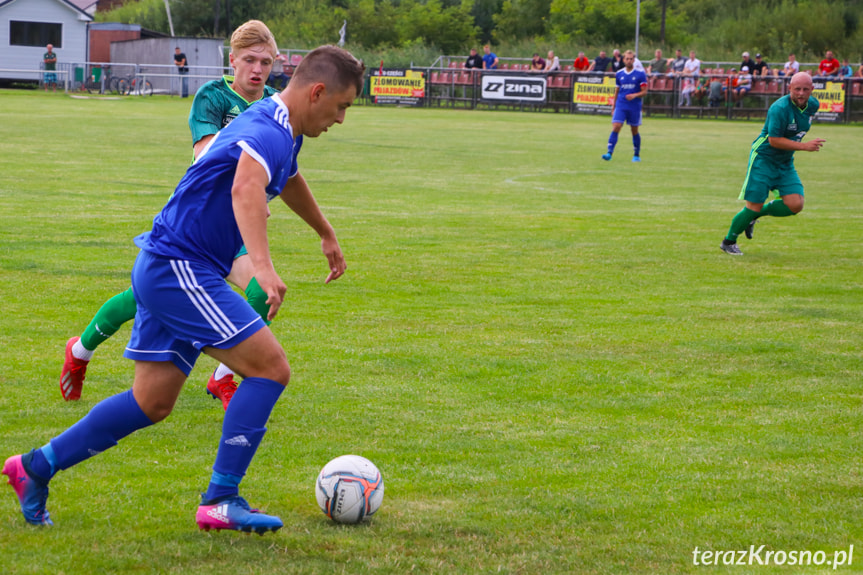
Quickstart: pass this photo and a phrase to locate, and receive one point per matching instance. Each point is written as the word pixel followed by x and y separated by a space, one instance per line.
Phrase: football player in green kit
pixel 771 162
pixel 253 49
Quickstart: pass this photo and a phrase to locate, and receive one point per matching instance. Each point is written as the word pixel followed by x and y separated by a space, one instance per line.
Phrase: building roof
pixel 73 4
pixel 85 5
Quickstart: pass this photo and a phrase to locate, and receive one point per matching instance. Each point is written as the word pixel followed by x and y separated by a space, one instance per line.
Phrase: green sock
pixel 257 298
pixel 113 313
pixel 739 223
pixel 777 209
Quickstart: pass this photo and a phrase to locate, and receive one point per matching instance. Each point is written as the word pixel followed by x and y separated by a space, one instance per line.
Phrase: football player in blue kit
pixel 626 104
pixel 186 307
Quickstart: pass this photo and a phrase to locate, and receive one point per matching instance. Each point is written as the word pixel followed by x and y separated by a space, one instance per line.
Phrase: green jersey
pixel 215 105
pixel 784 120
pixel 50 60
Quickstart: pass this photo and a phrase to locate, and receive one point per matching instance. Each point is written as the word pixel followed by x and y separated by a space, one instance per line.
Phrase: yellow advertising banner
pixel 400 86
pixel 593 93
pixel 831 96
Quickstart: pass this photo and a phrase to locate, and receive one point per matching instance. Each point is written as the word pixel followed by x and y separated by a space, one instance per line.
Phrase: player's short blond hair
pixel 252 33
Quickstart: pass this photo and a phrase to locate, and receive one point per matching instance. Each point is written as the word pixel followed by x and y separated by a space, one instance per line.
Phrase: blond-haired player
pixel 216 104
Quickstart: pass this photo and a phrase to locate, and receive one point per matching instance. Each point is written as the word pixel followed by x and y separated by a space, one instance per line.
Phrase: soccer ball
pixel 349 489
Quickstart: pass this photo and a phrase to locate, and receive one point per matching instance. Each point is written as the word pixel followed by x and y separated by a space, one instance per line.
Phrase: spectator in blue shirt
pixel 489 61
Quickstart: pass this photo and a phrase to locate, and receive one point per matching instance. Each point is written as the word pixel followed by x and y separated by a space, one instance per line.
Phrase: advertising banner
pixel 831 96
pixel 593 94
pixel 527 89
pixel 397 86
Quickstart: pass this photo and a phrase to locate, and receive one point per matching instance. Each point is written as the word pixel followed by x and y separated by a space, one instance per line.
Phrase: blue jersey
pixel 629 83
pixel 198 223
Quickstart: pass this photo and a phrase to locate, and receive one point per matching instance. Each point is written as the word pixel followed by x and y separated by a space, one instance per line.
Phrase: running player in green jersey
pixel 771 161
pixel 216 103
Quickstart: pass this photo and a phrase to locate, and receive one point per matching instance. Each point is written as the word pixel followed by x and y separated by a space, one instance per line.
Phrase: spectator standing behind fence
pixel 702 87
pixel 600 63
pixel 182 70
pixel 677 63
pixel 716 92
pixel 489 60
pixel 692 67
pixel 791 67
pixel 552 63
pixel 278 79
pixel 474 60
pixel 686 91
pixel 49 60
pixel 845 70
pixel 616 61
pixel 829 65
pixel 658 65
pixel 760 68
pixel 537 64
pixel 747 61
pixel 581 63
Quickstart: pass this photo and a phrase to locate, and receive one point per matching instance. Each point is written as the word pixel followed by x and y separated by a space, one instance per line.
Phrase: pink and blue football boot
pixel 234 513
pixel 32 493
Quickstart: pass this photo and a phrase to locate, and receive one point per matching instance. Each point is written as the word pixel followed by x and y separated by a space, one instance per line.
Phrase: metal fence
pixel 125 79
pixel 590 93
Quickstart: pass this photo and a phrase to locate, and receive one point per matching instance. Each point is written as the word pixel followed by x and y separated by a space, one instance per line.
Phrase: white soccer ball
pixel 349 489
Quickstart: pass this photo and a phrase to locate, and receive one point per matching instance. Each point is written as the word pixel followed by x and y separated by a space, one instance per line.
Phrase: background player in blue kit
pixel 626 104
pixel 185 306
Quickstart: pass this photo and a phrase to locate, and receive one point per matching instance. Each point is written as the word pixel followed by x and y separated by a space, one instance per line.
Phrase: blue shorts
pixel 183 307
pixel 50 78
pixel 631 116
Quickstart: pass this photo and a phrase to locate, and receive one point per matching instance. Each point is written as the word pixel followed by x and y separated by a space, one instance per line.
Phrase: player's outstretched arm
pixel 249 198
pixel 298 196
pixel 812 145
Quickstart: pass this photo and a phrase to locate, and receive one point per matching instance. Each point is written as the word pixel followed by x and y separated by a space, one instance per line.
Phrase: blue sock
pixel 612 141
pixel 242 432
pixel 108 422
pixel 636 143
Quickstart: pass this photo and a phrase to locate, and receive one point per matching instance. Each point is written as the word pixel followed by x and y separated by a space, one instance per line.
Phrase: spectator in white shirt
pixel 792 66
pixel 692 67
pixel 552 64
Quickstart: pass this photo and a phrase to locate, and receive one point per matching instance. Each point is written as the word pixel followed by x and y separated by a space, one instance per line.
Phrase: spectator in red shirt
pixel 829 65
pixel 582 64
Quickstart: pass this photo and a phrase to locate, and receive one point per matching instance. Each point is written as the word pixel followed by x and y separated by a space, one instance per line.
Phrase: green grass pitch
pixel 548 357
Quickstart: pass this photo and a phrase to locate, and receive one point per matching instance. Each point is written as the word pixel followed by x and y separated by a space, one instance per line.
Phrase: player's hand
pixel 275 289
pixel 335 259
pixel 814 145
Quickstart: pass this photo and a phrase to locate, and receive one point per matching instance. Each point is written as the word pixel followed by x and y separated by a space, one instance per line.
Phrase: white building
pixel 27 26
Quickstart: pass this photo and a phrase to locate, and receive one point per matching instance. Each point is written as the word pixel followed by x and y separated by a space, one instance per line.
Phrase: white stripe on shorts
pixel 201 300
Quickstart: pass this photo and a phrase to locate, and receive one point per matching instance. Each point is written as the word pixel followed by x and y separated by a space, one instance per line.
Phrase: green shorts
pixel 764 176
pixel 243 252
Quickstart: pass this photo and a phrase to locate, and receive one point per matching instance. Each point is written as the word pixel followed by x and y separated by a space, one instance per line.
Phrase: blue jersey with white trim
pixel 629 83
pixel 198 222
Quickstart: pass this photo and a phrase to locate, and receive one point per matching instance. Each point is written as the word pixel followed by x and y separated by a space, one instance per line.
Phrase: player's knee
pixel 275 366
pixel 157 408
pixel 794 203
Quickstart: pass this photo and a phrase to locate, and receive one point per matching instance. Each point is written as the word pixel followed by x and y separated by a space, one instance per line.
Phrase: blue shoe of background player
pixel 636 159
pixel 234 513
pixel 32 493
pixel 606 157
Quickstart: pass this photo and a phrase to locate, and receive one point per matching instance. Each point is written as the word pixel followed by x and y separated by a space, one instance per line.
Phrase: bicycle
pixel 137 84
